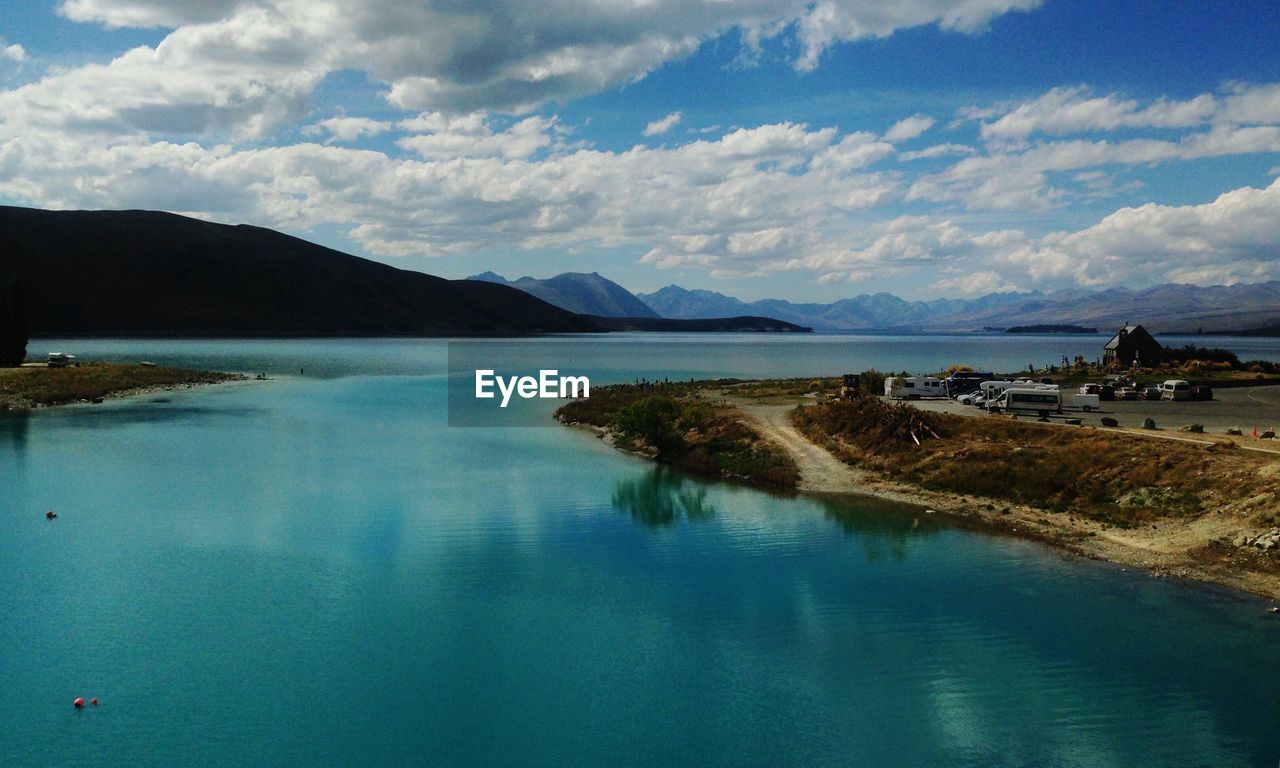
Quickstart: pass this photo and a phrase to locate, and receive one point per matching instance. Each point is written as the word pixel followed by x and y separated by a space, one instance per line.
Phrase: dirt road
pixel 820 472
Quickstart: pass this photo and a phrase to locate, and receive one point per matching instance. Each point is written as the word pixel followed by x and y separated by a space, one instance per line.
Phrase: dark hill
pixel 121 273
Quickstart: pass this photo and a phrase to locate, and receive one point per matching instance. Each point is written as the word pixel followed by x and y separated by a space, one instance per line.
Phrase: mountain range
pixel 1162 308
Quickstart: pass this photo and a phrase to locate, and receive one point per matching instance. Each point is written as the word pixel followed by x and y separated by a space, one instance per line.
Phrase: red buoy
pixel 93 702
pixel 79 703
pixel 50 515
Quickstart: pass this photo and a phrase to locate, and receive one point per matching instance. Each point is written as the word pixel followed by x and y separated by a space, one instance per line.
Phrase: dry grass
pixel 31 387
pixel 1117 479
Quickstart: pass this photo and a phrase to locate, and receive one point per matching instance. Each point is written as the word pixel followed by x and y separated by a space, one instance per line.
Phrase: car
pixel 1201 392
pixel 1151 393
pixel 1106 392
pixel 1090 389
pixel 1128 393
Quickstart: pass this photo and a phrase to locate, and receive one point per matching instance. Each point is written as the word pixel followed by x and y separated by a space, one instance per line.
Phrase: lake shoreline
pixel 1215 547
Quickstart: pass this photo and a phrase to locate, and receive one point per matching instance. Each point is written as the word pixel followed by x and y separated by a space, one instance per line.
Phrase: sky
pixel 801 150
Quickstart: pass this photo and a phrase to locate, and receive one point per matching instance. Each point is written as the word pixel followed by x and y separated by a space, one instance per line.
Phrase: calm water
pixel 314 570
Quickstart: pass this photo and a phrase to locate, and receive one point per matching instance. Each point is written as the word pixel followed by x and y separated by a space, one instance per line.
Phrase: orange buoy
pixel 79 703
pixel 93 702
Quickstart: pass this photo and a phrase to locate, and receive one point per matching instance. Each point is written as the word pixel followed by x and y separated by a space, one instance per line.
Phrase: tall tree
pixel 13 323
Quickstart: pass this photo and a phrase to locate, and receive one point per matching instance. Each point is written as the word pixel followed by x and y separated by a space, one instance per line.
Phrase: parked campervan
pixel 914 387
pixel 1175 389
pixel 992 389
pixel 1041 401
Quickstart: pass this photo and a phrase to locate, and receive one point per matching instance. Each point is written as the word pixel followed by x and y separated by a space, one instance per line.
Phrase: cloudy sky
pixel 804 150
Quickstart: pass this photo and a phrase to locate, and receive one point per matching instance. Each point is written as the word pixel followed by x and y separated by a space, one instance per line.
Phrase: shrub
pixel 653 420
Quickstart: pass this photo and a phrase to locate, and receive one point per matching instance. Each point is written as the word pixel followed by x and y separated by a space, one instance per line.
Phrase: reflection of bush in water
pixel 660 498
pixel 881 527
pixel 13 427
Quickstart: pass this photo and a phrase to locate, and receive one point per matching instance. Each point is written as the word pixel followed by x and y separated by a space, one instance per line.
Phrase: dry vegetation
pixel 673 424
pixel 1120 480
pixel 37 386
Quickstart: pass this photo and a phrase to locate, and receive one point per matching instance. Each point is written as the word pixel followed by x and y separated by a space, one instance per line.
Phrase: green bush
pixel 653 420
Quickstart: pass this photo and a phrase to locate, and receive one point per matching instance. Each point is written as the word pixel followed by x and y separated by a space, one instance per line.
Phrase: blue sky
pixel 798 150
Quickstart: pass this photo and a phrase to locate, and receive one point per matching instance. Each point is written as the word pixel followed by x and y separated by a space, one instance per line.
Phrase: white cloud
pixel 973 284
pixel 938 150
pixel 736 204
pixel 658 127
pixel 441 137
pixel 15 52
pixel 909 128
pixel 1016 178
pixel 1252 104
pixel 504 55
pixel 147 13
pixel 827 22
pixel 1231 239
pixel 342 128
pixel 245 78
pixel 1063 111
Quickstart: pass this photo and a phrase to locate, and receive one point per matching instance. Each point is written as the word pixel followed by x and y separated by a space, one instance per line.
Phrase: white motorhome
pixel 1041 401
pixel 61 360
pixel 1175 389
pixel 914 387
pixel 992 389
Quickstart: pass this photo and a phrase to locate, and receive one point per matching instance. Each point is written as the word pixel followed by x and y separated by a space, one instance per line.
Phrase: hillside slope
pixel 112 273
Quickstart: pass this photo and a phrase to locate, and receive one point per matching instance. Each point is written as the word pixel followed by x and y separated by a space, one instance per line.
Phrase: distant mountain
pixel 1162 308
pixel 674 301
pixel 881 311
pixel 129 273
pixel 587 294
pixel 741 324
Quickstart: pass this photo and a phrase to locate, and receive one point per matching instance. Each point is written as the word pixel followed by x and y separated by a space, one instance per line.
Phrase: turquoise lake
pixel 316 570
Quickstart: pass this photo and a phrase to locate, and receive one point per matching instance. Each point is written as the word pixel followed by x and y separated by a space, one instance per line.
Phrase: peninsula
pixel 1204 509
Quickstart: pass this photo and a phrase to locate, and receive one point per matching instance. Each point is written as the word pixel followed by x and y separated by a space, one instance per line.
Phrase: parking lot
pixel 1242 407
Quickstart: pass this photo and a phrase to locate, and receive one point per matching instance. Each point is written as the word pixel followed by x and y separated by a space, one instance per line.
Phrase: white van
pixel 914 387
pixel 1038 401
pixel 1175 389
pixel 1084 401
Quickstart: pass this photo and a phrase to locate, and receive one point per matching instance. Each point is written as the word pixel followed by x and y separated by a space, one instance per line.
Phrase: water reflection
pixel 881 527
pixel 662 497
pixel 13 428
